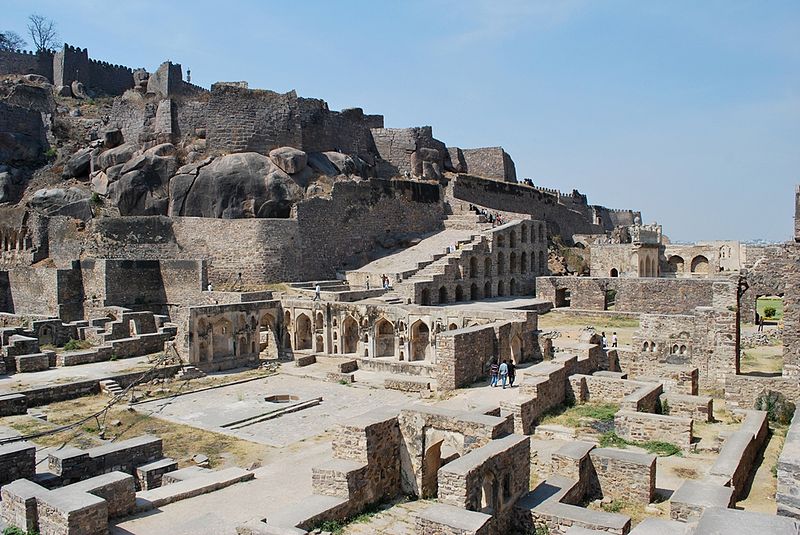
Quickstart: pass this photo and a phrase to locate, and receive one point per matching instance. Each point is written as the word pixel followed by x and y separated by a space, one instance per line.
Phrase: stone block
pixel 692 498
pixel 304 360
pixel 13 404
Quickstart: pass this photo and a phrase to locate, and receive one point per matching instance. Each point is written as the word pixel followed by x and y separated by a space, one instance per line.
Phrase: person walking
pixel 603 341
pixel 614 339
pixel 317 291
pixel 760 321
pixel 512 373
pixel 493 370
pixel 504 373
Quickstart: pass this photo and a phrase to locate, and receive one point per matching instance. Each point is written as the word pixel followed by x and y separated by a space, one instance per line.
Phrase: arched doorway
pixel 512 262
pixel 489 494
pixel 319 323
pixel 614 272
pixel 222 339
pixel 459 294
pixel 452 327
pixel 512 239
pixel 425 297
pixel 349 335
pixel 302 335
pixel 384 338
pixel 487 267
pixel 700 264
pixel 501 263
pixel 420 340
pixel 473 292
pixel 512 287
pixel 523 262
pixel 473 267
pixel 676 264
pixel 501 289
pixel 442 295
pixel 487 290
pixel 267 343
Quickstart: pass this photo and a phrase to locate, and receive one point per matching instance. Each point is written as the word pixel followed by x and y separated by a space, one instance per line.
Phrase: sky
pixel 688 111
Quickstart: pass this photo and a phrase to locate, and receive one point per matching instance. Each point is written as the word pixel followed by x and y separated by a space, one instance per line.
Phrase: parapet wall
pixel 25 62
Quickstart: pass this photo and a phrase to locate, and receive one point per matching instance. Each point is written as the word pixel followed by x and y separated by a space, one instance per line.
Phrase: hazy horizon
pixel 687 112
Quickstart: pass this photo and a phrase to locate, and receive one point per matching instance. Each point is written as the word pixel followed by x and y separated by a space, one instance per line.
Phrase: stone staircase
pixel 111 388
pixel 459 216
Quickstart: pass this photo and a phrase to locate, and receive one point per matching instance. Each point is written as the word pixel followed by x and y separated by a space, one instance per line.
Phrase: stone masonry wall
pixel 625 475
pixel 25 62
pixel 463 356
pixel 641 426
pixel 490 162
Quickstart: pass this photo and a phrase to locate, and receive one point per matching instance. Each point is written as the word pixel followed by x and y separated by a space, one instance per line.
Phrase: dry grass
pixel 180 441
pixel 685 472
pixel 764 359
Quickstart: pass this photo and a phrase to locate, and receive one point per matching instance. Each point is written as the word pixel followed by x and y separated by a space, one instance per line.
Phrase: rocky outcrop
pixel 72 202
pixel 235 186
pixel 79 164
pixel 142 186
pixel 289 159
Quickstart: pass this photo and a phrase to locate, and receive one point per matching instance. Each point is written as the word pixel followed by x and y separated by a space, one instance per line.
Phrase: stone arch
pixel 459 294
pixel 222 338
pixel 501 289
pixel 512 239
pixel 646 347
pixel 542 237
pixel 384 338
pixel 542 260
pixel 501 240
pixel 420 340
pixel 512 287
pixel 675 349
pixel 699 264
pixel 490 495
pixel 319 344
pixel 473 292
pixel 302 334
pixel 349 335
pixel 487 266
pixel 452 327
pixel 683 349
pixel 425 297
pixel 319 322
pixel 487 290
pixel 47 335
pixel 442 294
pixel 523 262
pixel 523 233
pixel 533 261
pixel 267 339
pixel 512 262
pixel 473 267
pixel 676 263
pixel 614 272
pixel 431 462
pixel 501 263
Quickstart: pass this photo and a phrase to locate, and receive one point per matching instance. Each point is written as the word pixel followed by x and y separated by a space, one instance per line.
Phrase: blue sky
pixel 686 110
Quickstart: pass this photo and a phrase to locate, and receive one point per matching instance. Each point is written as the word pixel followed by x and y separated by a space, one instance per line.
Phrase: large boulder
pixel 143 185
pixel 234 186
pixel 116 156
pixel 11 183
pixel 19 148
pixel 79 164
pixel 78 90
pixel 72 202
pixel 112 138
pixel 289 159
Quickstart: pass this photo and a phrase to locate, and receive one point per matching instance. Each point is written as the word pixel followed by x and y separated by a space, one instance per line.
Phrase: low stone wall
pixel 788 492
pixel 675 379
pixel 17 461
pixel 503 465
pixel 440 519
pixel 742 390
pixel 644 427
pixel 72 464
pixel 11 404
pixel 699 408
pixel 692 498
pixel 625 475
pixel 735 459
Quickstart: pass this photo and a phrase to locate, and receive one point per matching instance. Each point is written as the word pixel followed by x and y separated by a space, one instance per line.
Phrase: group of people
pixel 492 217
pixel 614 339
pixel 384 281
pixel 500 373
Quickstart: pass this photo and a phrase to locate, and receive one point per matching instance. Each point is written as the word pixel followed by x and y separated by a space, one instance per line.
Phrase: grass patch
pixel 600 321
pixel 337 526
pixel 685 472
pixel 767 359
pixel 74 345
pixel 614 507
pixel 657 447
pixel 578 416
